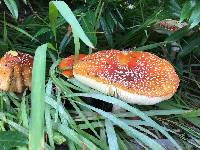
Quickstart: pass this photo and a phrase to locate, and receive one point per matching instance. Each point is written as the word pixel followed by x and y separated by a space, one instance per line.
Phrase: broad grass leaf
pixel 12 6
pixel 68 15
pixel 187 10
pixel 195 16
pixel 53 14
pixel 11 139
pixel 88 22
pixel 37 99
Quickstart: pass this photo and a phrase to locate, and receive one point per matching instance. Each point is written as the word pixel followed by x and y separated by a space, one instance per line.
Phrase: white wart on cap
pixel 15 71
pixel 135 77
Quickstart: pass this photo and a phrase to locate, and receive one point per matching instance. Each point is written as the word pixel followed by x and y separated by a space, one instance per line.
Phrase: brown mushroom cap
pixel 136 77
pixel 15 71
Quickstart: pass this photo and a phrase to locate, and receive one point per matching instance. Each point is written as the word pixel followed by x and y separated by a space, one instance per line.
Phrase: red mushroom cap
pixel 66 64
pixel 15 71
pixel 136 77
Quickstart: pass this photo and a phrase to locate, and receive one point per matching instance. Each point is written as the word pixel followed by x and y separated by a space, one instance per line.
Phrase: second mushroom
pixel 15 71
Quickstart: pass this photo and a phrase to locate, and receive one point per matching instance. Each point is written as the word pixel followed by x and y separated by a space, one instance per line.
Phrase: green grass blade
pixel 75 137
pixel 186 10
pixel 150 46
pixel 24 115
pixel 12 6
pixel 48 116
pixel 107 31
pixel 59 107
pixel 195 16
pixel 53 14
pixel 77 47
pixel 68 15
pixel 132 132
pixel 11 139
pixel 112 138
pixel 71 145
pixel 64 114
pixel 122 144
pixel 13 124
pixel 5 34
pixel 84 118
pixel 36 139
pixel 126 106
pixel 41 31
pixel 21 31
pixel 49 125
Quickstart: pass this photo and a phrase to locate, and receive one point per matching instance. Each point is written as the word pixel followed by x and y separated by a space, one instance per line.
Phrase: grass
pixel 62 112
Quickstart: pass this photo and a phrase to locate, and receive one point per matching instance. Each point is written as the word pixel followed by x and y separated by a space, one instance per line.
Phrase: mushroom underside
pixel 120 93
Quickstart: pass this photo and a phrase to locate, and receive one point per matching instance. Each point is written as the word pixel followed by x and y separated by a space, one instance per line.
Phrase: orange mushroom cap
pixel 15 71
pixel 66 65
pixel 136 77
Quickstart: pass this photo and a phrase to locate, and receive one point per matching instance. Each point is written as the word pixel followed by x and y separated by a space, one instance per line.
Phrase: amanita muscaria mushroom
pixel 135 77
pixel 15 71
pixel 169 26
pixel 66 65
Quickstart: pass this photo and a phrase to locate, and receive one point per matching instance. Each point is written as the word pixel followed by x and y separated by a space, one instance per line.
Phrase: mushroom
pixel 169 26
pixel 66 65
pixel 15 71
pixel 135 77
